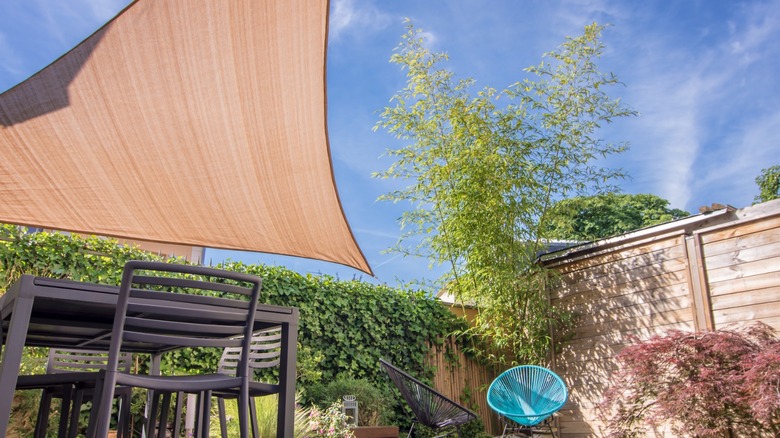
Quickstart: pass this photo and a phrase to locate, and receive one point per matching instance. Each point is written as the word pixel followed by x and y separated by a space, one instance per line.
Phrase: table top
pixel 71 314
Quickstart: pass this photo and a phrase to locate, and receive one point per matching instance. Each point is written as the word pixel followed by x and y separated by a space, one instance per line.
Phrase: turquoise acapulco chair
pixel 527 395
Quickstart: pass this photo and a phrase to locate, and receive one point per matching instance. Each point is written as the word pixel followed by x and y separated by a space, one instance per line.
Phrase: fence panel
pixel 464 381
pixel 701 273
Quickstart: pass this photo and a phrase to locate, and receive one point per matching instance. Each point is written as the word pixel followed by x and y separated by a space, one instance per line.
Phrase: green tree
pixel 768 182
pixel 609 214
pixel 482 177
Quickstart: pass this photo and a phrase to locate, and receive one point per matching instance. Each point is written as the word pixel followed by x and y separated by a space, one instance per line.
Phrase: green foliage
pixel 768 182
pixel 51 254
pixel 25 410
pixel 600 216
pixel 352 324
pixel 474 429
pixel 372 402
pixel 308 372
pixel 34 360
pixel 482 177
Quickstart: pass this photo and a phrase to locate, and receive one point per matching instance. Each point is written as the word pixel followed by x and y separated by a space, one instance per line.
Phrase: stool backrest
pixel 69 360
pixel 264 352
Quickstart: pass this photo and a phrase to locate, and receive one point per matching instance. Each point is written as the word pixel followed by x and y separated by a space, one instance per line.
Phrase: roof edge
pixel 685 225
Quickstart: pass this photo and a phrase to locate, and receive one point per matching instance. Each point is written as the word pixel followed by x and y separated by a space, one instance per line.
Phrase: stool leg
pixel 123 424
pixel 65 407
pixel 75 413
pixel 42 420
pixel 165 406
pixel 253 417
pixel 206 413
pixel 177 415
pixel 222 416
pixel 151 422
pixel 65 410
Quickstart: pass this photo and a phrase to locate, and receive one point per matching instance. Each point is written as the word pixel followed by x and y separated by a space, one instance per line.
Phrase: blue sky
pixel 701 74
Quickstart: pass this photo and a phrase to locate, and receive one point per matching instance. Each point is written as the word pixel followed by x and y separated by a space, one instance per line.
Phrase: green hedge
pixel 350 325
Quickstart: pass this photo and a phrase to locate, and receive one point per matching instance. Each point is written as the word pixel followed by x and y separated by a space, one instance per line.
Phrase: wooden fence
pixel 700 273
pixel 464 381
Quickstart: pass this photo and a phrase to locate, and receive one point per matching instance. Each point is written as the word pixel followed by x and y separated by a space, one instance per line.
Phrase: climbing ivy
pixel 60 255
pixel 353 323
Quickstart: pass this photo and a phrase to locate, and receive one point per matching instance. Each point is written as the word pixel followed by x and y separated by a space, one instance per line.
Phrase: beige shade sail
pixel 191 122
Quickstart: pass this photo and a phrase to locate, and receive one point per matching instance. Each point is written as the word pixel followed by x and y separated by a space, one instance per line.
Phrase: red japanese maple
pixel 717 383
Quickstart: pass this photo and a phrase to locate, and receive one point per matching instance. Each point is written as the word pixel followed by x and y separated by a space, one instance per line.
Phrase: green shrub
pixel 372 402
pixel 308 371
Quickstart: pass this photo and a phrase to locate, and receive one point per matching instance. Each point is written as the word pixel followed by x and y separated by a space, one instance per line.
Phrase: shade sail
pixel 199 123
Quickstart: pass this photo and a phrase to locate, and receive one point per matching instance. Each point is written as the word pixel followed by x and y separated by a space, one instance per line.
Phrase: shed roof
pixel 684 225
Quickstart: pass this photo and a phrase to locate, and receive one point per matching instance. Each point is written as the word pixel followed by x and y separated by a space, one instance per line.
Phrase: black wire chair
pixel 429 407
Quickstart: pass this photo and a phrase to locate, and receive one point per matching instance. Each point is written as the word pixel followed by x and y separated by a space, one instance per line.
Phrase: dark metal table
pixel 46 312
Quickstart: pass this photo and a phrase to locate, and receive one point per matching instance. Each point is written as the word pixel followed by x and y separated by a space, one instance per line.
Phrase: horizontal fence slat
pixel 464 381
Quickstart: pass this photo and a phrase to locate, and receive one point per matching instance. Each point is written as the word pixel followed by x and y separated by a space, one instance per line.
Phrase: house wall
pixel 700 273
pixel 190 253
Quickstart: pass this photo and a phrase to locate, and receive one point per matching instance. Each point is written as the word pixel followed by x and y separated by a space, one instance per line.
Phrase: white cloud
pixel 12 62
pixel 669 132
pixel 575 15
pixel 761 27
pixel 750 147
pixel 341 16
pixel 59 19
pixel 71 21
pixel 357 16
pixel 429 38
pixel 702 136
pixel 376 232
pixel 667 151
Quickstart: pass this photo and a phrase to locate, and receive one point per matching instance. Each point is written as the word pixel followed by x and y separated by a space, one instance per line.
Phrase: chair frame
pixel 527 421
pixel 150 319
pixel 71 375
pixel 447 414
pixel 265 352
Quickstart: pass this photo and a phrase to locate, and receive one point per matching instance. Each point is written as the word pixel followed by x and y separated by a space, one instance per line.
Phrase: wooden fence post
pixel 701 304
